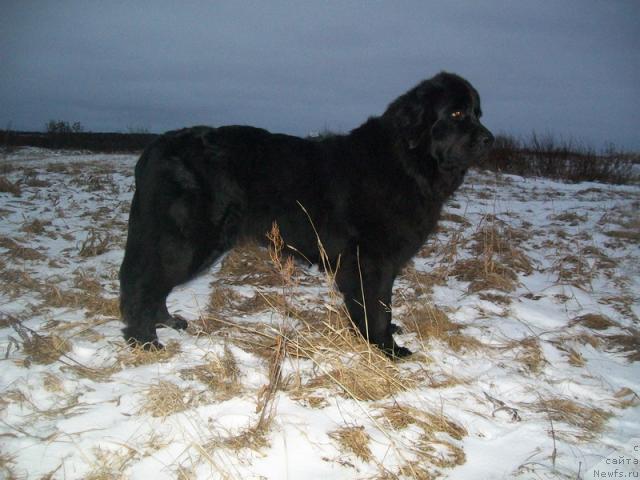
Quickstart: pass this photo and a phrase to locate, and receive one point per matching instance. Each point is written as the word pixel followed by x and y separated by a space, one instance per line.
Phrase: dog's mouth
pixel 483 142
pixel 453 164
pixel 480 151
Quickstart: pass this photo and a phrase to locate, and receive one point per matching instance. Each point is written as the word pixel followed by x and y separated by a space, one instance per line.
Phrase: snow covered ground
pixel 522 310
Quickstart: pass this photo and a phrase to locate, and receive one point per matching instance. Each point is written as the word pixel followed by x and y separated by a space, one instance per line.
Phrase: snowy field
pixel 522 310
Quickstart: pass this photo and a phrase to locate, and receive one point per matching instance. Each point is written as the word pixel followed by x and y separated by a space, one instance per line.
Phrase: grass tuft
pixel 166 398
pixel 110 464
pixel 42 349
pixel 528 352
pixel 587 422
pixel 96 243
pixel 354 440
pixel 430 322
pixel 628 343
pixel 7 186
pixel 135 356
pixel 594 321
pixel 220 374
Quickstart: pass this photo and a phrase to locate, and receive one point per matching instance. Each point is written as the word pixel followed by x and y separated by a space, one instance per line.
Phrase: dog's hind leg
pixel 142 291
pixel 172 237
pixel 156 260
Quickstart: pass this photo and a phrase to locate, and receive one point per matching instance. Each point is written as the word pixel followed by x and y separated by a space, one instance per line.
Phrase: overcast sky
pixel 571 68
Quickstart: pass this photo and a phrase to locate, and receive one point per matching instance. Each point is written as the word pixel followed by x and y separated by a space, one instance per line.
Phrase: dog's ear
pixel 412 115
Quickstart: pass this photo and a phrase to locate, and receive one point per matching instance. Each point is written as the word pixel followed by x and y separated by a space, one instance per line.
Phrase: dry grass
pixel 222 298
pixel 6 243
pixel 99 374
pixel 220 374
pixel 15 283
pixel 110 464
pixel 594 321
pixel 413 470
pixel 452 455
pixel 625 398
pixel 52 383
pixel 18 251
pixel 602 260
pixel 485 274
pixel 432 448
pixel 575 358
pixel 573 270
pixel 362 378
pixel 588 422
pixel 96 243
pixel 166 398
pixel 494 237
pixel 8 320
pixel 527 352
pixel 135 356
pixel 255 437
pixel 346 363
pixel 7 465
pixel 455 218
pixel 570 161
pixel 31 180
pixel 8 186
pixel 497 249
pixel 496 298
pixel 59 168
pixel 530 355
pixel 422 281
pixel 249 264
pixel 35 226
pixel 498 257
pixel 632 236
pixel 399 417
pixel 430 322
pixel 55 296
pixel 226 301
pixel 354 440
pixel 570 218
pixel 627 343
pixel 86 292
pixel 41 349
pixel 624 304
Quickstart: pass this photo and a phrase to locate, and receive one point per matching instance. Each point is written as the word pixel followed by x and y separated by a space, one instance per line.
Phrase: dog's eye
pixel 457 115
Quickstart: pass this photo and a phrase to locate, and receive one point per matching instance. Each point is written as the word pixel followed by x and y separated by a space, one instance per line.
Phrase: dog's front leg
pixel 366 284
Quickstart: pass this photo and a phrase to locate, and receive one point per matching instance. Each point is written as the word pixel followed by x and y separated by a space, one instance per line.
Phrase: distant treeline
pixel 567 160
pixel 77 140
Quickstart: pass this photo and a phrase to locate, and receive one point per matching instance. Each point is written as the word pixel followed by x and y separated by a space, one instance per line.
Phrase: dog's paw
pixel 401 352
pixel 146 340
pixel 151 345
pixel 395 328
pixel 397 352
pixel 176 322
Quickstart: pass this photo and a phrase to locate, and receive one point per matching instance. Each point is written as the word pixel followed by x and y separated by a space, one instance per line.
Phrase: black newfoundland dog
pixel 373 196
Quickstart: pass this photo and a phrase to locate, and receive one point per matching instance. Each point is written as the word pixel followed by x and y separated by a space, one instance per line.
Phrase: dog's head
pixel 440 119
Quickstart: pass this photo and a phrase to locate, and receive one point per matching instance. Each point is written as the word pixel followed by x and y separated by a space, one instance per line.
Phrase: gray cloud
pixel 570 68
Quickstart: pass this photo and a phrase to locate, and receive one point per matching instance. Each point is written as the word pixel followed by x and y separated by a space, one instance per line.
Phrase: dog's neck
pixel 417 160
pixel 435 185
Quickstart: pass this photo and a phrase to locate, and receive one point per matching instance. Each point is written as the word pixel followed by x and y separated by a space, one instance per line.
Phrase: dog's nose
pixel 487 139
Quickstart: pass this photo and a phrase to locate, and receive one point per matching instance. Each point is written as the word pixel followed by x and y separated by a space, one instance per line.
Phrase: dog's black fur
pixel 373 195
